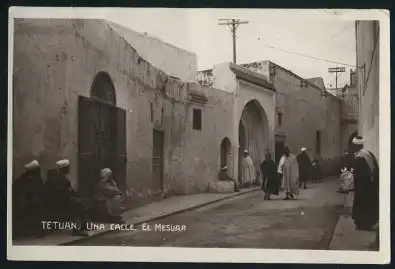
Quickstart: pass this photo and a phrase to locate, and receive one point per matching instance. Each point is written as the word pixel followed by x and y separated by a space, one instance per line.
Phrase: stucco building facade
pixel 368 82
pixel 253 110
pixel 82 92
pixel 172 60
pixel 306 115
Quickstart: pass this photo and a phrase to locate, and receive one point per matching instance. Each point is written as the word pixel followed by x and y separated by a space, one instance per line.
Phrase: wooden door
pixel 102 143
pixel 86 141
pixel 121 156
pixel 157 161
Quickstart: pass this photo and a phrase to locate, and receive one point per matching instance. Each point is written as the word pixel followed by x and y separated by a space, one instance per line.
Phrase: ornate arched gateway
pixel 101 135
pixel 253 133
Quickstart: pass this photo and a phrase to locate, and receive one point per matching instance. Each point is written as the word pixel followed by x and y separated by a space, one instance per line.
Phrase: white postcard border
pixel 170 254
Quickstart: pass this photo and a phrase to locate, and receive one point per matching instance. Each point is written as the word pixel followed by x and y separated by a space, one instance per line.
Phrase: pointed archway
pixel 253 134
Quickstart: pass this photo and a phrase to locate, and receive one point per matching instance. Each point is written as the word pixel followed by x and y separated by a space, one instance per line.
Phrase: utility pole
pixel 337 70
pixel 233 25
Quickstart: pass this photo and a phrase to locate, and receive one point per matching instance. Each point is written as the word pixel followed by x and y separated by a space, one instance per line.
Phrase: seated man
pixel 63 201
pixel 223 175
pixel 27 201
pixel 109 198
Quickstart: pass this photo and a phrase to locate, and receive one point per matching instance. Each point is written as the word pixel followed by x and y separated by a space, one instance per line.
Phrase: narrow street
pixel 246 222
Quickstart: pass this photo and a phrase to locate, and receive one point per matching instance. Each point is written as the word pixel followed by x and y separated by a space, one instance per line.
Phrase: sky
pixel 197 30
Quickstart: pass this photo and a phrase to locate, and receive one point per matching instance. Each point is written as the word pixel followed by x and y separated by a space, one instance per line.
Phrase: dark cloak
pixel 365 211
pixel 270 178
pixel 305 166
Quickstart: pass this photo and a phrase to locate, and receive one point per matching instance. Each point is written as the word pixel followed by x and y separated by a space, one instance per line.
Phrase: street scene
pixel 246 222
pixel 230 131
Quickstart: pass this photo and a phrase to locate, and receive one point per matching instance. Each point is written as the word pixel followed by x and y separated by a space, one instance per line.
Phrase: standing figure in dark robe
pixel 27 202
pixel 109 198
pixel 64 202
pixel 317 174
pixel 270 178
pixel 223 175
pixel 347 162
pixel 365 210
pixel 304 163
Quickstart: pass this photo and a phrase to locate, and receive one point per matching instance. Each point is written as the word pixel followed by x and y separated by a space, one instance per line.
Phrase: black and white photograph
pixel 199 135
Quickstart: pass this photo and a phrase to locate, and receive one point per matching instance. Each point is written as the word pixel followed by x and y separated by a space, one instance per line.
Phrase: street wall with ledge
pixel 56 60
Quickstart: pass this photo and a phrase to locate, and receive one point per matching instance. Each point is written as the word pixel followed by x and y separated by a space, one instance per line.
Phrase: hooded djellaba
pixel 305 166
pixel 109 197
pixel 365 210
pixel 290 172
pixel 270 179
pixel 248 170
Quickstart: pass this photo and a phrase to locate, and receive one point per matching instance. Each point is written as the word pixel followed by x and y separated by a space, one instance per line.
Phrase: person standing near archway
pixel 248 172
pixel 269 177
pixel 305 166
pixel 290 171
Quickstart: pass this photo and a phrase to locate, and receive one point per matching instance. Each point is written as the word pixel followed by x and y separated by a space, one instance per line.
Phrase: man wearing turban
pixel 365 211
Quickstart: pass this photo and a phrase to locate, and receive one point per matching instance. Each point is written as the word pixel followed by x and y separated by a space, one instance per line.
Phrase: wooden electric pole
pixel 337 70
pixel 233 25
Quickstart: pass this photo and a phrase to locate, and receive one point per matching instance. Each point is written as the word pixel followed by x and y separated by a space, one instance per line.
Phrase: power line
pixel 308 56
pixel 233 24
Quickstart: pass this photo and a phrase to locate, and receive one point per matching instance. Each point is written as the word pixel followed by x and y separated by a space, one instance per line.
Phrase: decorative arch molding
pixel 103 88
pixel 254 133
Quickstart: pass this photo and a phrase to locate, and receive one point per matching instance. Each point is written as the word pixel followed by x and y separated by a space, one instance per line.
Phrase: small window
pixel 318 142
pixel 197 119
pixel 279 118
pixel 162 115
pixel 152 112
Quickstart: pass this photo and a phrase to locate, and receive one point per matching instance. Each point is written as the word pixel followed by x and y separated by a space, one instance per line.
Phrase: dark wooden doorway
pixel 157 161
pixel 225 151
pixel 101 143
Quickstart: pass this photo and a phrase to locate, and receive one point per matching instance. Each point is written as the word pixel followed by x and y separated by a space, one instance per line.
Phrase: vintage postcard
pixel 199 135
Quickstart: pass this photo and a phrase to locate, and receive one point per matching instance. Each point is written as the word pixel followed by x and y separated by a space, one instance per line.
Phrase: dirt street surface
pixel 244 222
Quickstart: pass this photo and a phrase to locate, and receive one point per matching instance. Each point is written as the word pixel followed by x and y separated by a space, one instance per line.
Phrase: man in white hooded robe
pixel 248 172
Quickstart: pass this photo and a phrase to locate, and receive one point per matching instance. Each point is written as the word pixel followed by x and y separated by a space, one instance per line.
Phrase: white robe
pixel 248 175
pixel 280 165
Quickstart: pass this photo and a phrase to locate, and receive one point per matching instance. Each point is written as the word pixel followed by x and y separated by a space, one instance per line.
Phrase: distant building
pixel 305 116
pixel 368 82
pixel 253 118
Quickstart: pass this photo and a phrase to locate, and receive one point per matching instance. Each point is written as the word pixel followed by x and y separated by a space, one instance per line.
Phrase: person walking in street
pixel 223 175
pixel 290 171
pixel 347 161
pixel 65 203
pixel 28 201
pixel 316 174
pixel 305 166
pixel 248 172
pixel 270 179
pixel 365 210
pixel 109 198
